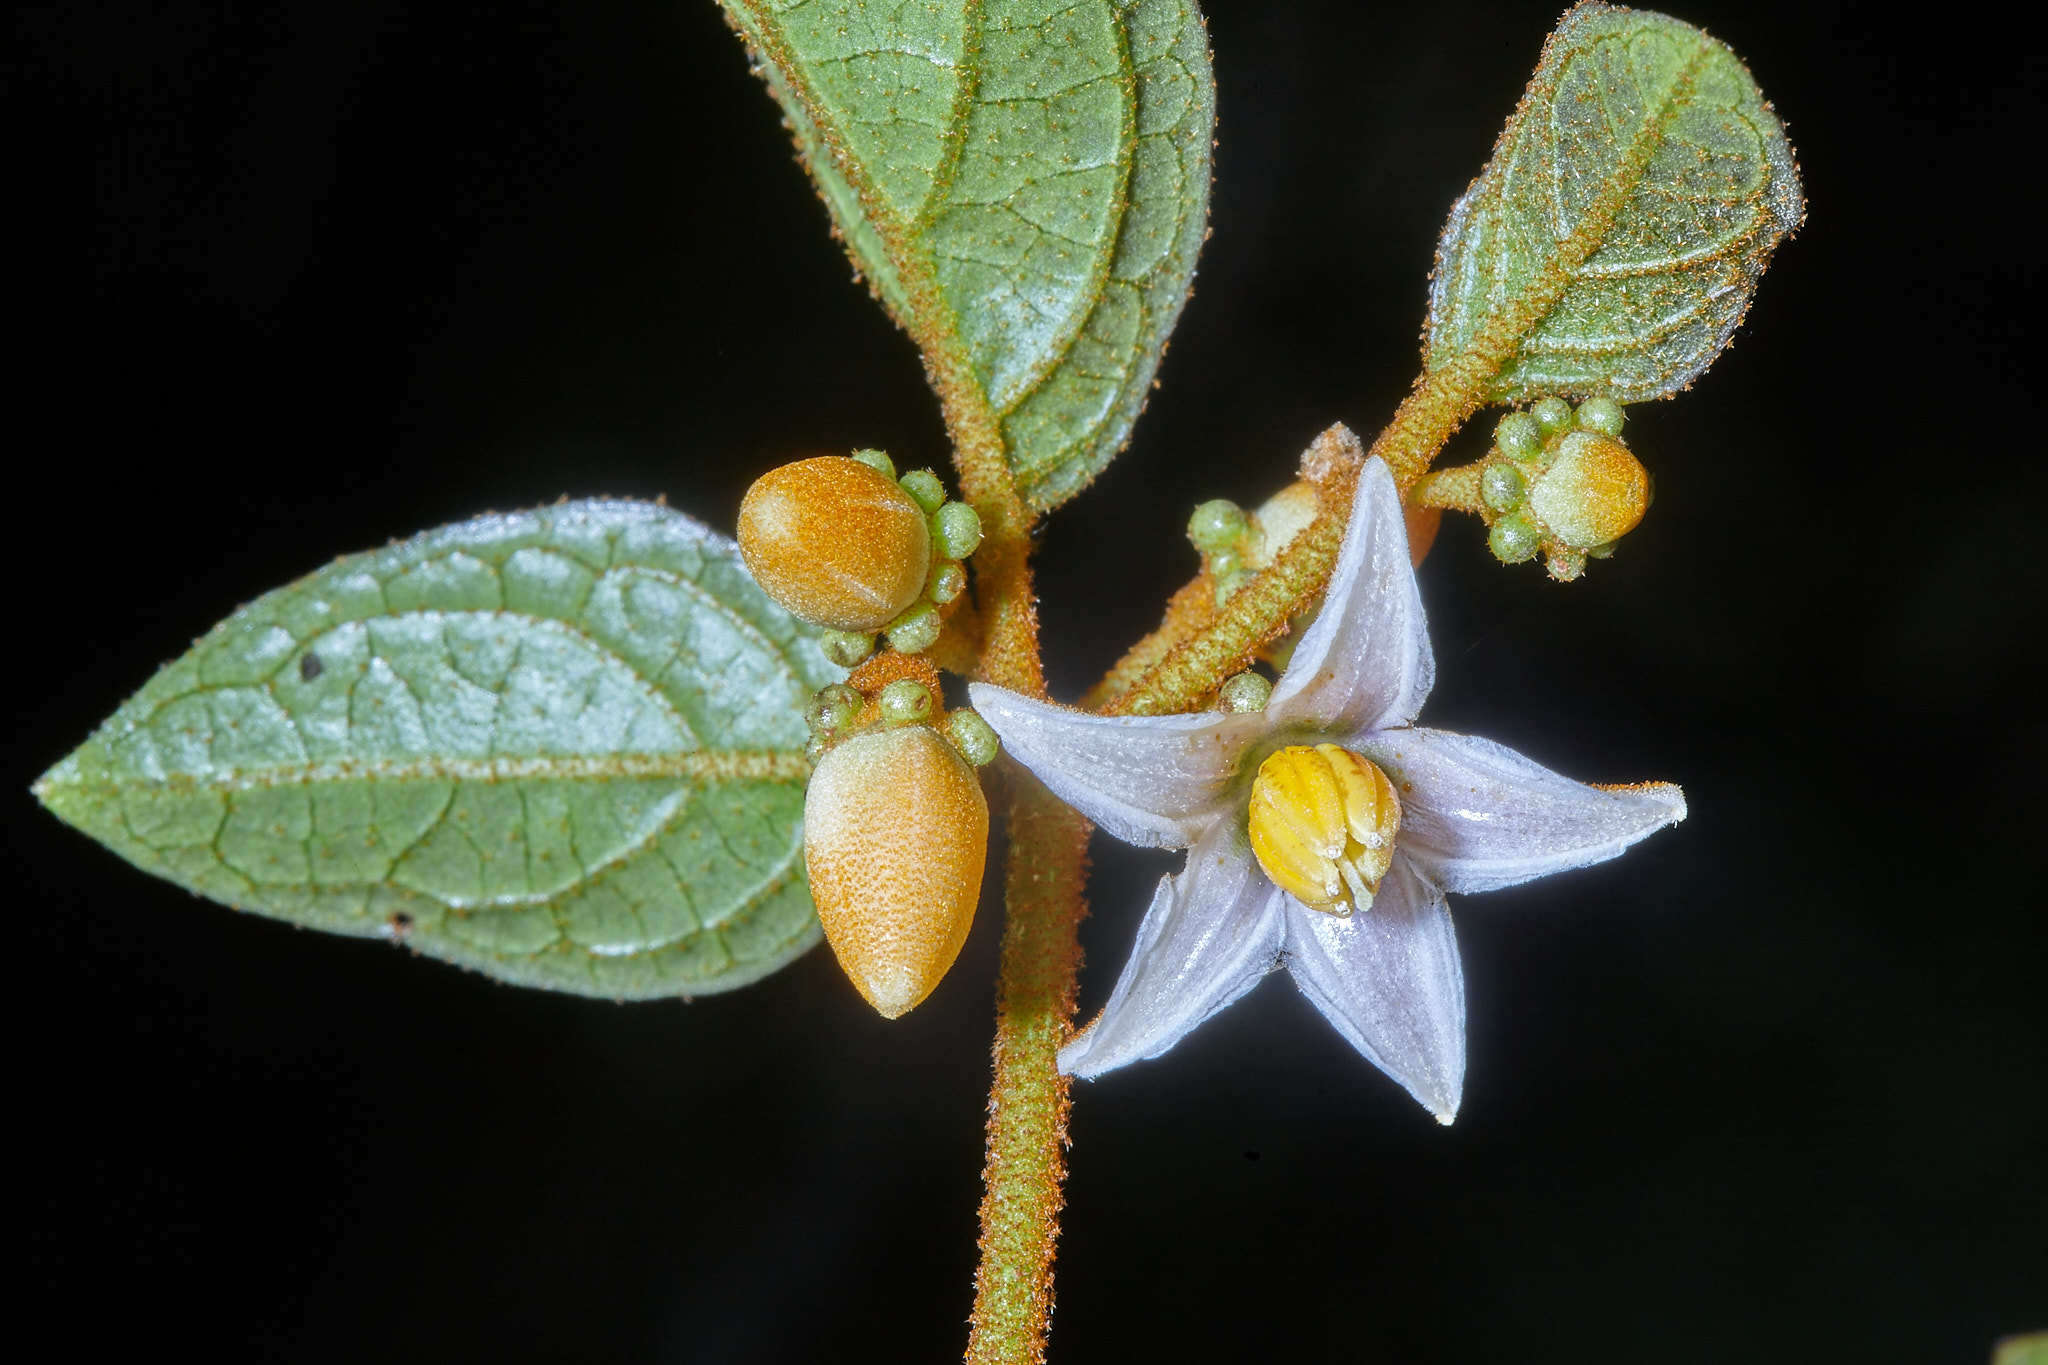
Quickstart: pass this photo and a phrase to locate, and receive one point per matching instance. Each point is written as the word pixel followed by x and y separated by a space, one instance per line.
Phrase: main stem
pixel 1025 1162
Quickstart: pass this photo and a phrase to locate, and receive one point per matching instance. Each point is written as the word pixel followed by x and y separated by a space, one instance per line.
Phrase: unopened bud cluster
pixel 840 711
pixel 1560 483
pixel 845 544
pixel 1236 544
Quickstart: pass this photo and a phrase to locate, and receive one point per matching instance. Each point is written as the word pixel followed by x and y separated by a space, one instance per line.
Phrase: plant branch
pixel 1455 490
pixel 1191 608
pixel 1260 610
pixel 1024 1165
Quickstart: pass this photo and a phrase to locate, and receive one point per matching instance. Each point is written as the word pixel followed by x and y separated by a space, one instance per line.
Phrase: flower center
pixel 1323 822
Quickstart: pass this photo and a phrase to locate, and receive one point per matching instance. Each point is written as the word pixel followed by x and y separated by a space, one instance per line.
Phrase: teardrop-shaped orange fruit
pixel 895 839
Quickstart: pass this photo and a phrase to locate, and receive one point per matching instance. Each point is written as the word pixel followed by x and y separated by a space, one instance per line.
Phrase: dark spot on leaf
pixel 310 666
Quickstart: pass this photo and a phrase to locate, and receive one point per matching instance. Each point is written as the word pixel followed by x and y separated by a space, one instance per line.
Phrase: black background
pixel 299 279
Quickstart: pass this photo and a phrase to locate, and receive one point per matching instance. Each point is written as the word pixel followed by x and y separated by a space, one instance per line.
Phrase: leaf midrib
pixel 931 322
pixel 700 766
pixel 1502 334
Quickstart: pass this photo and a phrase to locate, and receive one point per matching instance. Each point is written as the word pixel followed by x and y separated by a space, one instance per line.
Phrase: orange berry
pixel 895 838
pixel 835 541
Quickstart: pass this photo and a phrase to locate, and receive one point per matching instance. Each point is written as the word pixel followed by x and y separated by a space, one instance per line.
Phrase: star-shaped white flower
pixel 1472 816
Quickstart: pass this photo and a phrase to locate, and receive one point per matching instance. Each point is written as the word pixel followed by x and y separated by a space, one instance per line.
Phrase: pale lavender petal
pixel 1476 816
pixel 1214 930
pixel 1389 979
pixel 1154 781
pixel 1365 664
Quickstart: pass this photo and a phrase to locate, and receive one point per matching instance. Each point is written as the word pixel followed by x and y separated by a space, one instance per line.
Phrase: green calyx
pixel 974 737
pixel 832 709
pixel 1222 532
pixel 1513 540
pixel 1603 415
pixel 877 460
pixel 1246 692
pixel 916 630
pixel 1218 524
pixel 956 530
pixel 1503 486
pixel 947 581
pixel 1518 436
pixel 904 702
pixel 1565 564
pixel 924 486
pixel 846 647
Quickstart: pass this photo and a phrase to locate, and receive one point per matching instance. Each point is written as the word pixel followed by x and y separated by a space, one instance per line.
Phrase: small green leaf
pixel 563 747
pixel 1616 238
pixel 1024 182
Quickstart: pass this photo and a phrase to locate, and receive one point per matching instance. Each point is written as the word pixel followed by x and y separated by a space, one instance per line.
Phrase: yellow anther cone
pixel 1322 825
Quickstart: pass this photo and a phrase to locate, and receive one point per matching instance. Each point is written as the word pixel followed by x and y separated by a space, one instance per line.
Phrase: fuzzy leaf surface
pixel 1023 182
pixel 562 747
pixel 1616 238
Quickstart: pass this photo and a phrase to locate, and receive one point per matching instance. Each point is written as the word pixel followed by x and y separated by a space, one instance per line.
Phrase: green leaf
pixel 1616 238
pixel 1025 183
pixel 563 747
pixel 2031 1349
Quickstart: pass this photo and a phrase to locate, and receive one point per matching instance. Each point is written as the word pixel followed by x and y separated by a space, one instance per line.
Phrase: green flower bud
pixel 814 748
pixel 924 485
pixel 1552 414
pixel 1216 524
pixel 877 460
pixel 1565 564
pixel 832 708
pixel 1502 487
pixel 1513 540
pixel 1603 415
pixel 1228 584
pixel 1600 551
pixel 904 702
pixel 846 647
pixel 1245 692
pixel 956 530
pixel 947 582
pixel 915 630
pixel 1224 563
pixel 1519 436
pixel 974 737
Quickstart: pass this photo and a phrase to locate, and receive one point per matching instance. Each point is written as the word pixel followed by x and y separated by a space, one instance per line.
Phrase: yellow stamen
pixel 1323 822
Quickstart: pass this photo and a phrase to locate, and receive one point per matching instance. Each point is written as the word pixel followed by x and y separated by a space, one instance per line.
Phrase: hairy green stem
pixel 1024 1166
pixel 1435 408
pixel 1454 490
pixel 1027 1104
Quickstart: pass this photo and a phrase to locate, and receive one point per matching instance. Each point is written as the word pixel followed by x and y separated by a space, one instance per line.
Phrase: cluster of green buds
pixel 1236 544
pixel 1560 483
pixel 841 711
pixel 1221 532
pixel 895 828
pixel 845 544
